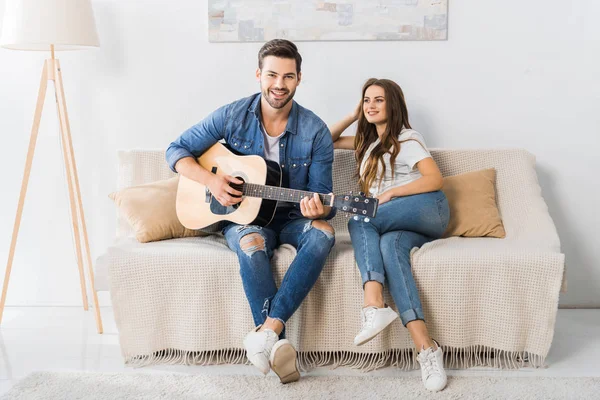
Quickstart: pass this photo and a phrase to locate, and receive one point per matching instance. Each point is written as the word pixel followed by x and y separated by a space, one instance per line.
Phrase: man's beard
pixel 277 104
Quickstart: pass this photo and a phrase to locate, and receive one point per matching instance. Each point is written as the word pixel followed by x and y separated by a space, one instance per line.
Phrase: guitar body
pixel 196 208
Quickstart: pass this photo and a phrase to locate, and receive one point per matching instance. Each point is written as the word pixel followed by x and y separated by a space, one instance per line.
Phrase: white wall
pixel 512 73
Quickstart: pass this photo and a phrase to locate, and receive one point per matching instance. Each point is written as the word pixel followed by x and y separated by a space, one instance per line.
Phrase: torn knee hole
pixel 323 226
pixel 252 243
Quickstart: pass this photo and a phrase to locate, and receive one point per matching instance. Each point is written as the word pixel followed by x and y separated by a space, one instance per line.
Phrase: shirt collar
pixel 292 124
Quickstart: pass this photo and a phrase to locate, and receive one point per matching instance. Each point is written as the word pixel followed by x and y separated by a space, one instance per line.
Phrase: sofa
pixel 487 301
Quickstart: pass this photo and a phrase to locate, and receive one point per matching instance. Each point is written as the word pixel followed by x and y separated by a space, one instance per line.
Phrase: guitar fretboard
pixel 280 194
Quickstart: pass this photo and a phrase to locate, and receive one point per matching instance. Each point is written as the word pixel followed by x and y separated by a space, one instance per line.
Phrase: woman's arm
pixel 346 142
pixel 430 182
pixel 339 127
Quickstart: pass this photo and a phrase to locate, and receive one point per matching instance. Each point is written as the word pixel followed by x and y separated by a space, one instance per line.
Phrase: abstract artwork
pixel 298 20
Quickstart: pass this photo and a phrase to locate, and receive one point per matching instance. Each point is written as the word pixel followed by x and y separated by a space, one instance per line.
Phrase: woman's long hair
pixel 366 133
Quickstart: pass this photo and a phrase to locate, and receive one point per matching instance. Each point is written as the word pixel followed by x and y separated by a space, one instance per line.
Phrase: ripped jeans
pixel 312 245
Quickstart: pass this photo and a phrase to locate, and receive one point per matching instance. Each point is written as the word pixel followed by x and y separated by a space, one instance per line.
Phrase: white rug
pixel 78 385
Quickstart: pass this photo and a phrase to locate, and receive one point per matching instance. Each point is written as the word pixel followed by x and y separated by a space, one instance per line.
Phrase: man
pixel 272 125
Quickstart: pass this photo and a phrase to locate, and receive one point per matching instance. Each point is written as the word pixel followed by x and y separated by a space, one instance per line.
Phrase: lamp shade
pixel 37 24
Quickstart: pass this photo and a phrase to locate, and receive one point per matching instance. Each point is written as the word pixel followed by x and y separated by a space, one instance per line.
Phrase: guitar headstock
pixel 358 204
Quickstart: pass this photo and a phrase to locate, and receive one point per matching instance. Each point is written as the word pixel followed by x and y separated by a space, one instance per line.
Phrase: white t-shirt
pixel 405 171
pixel 271 145
pixel 272 154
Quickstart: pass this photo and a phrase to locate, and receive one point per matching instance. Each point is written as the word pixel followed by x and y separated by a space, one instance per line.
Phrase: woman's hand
pixel 385 197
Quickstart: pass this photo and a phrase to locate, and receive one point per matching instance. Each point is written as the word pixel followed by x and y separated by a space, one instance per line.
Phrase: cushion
pixel 472 200
pixel 150 211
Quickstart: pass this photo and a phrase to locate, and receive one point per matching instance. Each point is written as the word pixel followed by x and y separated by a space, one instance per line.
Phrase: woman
pixel 395 166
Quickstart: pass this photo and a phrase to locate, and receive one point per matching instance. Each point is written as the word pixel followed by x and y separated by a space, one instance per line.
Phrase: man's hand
pixel 220 189
pixel 312 208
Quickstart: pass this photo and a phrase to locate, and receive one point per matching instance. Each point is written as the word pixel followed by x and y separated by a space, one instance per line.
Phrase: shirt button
pixel 282 166
pixel 305 164
pixel 235 144
pixel 293 165
pixel 281 144
pixel 245 147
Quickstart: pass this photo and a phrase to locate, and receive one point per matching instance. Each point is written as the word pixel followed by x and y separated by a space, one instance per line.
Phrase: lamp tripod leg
pixel 75 192
pixel 24 183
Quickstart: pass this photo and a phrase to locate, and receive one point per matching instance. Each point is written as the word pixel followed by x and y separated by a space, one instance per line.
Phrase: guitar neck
pixel 281 194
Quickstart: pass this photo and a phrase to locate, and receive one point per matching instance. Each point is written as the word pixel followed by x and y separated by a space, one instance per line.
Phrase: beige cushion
pixel 472 200
pixel 150 211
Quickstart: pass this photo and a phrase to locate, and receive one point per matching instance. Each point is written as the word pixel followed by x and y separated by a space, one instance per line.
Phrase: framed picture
pixel 298 20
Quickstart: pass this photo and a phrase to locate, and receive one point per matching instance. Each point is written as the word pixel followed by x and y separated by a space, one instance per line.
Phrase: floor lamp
pixel 53 25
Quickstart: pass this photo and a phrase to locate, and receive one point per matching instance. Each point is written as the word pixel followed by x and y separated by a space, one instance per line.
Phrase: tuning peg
pixel 361 194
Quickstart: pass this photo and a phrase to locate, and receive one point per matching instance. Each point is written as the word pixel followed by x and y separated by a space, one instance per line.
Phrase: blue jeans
pixel 312 245
pixel 382 245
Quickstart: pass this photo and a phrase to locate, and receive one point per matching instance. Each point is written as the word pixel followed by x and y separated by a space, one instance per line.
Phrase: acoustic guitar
pixel 197 208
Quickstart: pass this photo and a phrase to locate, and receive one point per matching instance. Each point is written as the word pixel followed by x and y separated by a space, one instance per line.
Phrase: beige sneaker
pixel 283 361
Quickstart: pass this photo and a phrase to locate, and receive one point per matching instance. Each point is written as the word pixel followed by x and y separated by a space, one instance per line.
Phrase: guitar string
pixel 281 194
pixel 278 193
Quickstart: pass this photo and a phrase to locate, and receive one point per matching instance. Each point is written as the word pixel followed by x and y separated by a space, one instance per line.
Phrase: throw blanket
pixel 489 302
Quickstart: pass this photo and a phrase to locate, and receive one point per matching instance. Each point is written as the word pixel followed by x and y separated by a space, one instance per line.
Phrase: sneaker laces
pixel 429 362
pixel 368 315
pixel 270 339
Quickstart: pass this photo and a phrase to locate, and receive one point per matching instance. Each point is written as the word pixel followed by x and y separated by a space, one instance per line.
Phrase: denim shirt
pixel 305 152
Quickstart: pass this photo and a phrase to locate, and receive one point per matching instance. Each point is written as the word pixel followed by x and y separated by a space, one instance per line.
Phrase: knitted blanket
pixel 489 302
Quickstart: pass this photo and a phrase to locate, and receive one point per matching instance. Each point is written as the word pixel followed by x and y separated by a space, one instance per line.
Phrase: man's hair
pixel 280 48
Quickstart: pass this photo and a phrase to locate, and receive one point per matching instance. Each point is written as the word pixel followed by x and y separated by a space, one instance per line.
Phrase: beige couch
pixel 488 301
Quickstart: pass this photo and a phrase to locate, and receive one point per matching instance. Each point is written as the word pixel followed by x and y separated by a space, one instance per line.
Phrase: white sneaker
pixel 258 347
pixel 374 320
pixel 283 361
pixel 432 368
